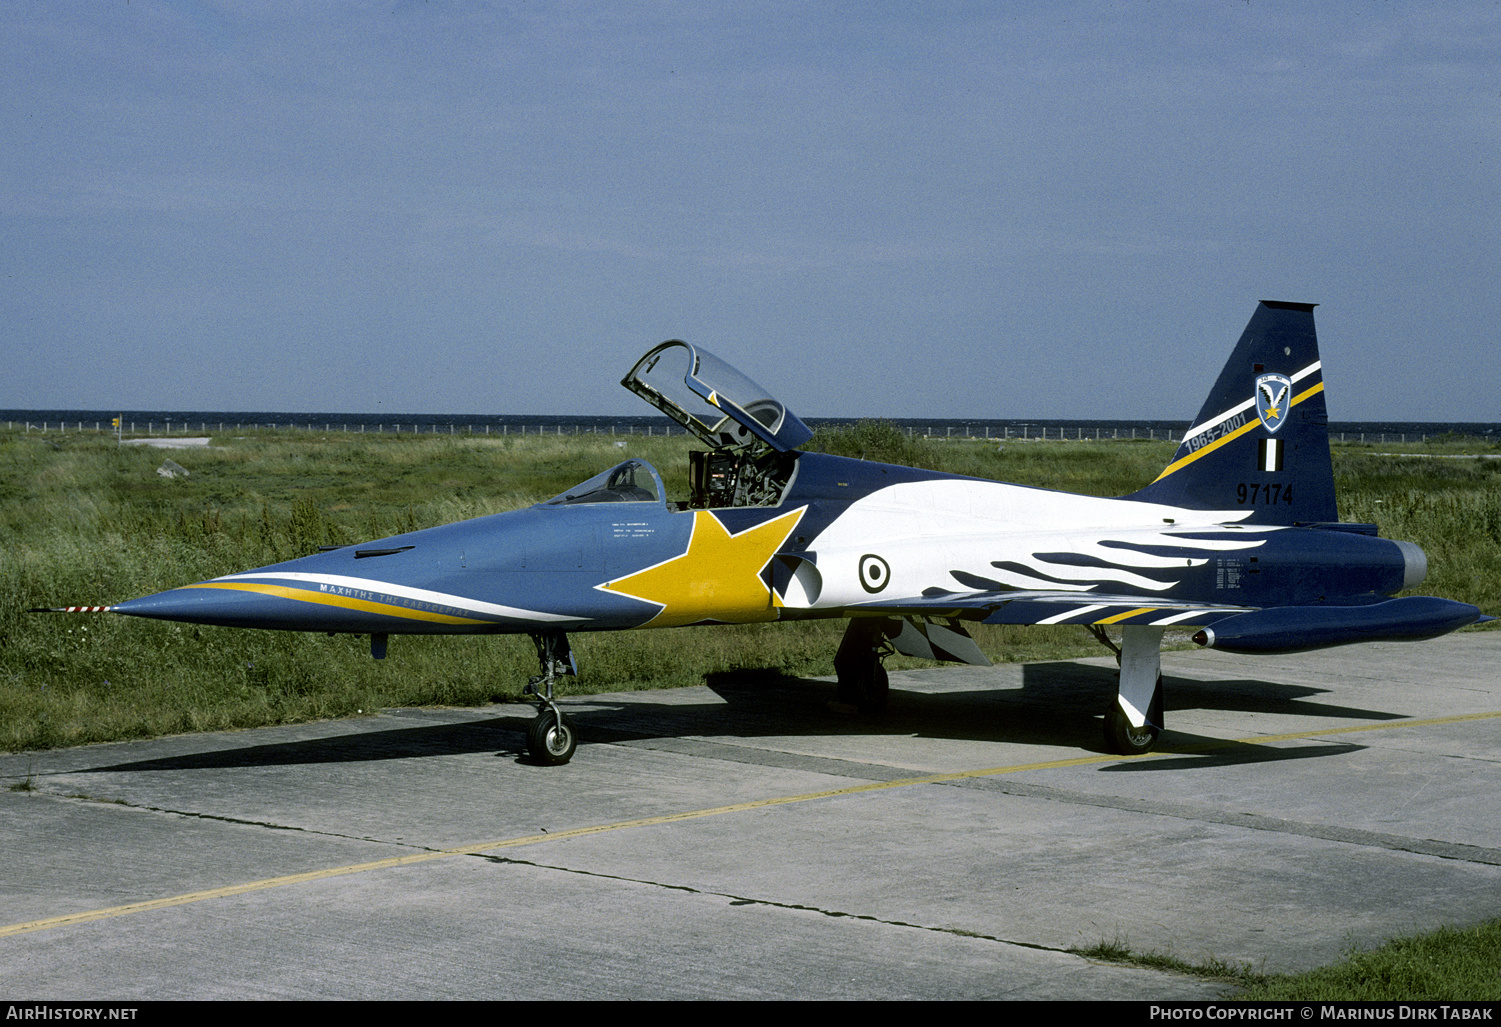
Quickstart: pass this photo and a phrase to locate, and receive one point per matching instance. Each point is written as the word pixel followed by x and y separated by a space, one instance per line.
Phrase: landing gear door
pixel 712 399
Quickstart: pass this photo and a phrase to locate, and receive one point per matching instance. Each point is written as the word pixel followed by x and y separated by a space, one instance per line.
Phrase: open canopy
pixel 712 399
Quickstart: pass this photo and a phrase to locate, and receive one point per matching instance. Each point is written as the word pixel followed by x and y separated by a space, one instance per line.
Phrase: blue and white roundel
pixel 875 573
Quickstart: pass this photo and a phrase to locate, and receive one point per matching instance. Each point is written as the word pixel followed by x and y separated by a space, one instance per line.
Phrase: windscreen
pixel 633 481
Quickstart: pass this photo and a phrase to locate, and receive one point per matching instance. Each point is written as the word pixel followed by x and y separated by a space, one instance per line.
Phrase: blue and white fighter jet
pixel 1238 538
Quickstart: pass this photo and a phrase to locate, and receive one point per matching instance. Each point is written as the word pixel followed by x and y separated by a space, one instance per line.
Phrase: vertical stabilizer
pixel 1261 441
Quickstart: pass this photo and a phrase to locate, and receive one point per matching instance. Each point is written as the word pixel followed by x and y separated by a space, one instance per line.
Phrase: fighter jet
pixel 1238 539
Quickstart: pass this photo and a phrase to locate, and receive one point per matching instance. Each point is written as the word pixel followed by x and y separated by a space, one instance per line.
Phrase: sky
pixel 875 209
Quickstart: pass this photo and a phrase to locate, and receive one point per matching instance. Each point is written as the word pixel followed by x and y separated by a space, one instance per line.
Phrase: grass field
pixel 1451 964
pixel 86 521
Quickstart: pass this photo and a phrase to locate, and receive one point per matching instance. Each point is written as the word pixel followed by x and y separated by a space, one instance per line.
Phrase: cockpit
pixel 633 481
pixel 751 436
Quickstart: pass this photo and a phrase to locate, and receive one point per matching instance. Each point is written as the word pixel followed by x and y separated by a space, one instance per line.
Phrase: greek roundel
pixel 1273 397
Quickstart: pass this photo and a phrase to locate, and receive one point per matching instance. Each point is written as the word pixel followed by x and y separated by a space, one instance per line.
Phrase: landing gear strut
pixel 1134 720
pixel 862 679
pixel 1125 739
pixel 551 739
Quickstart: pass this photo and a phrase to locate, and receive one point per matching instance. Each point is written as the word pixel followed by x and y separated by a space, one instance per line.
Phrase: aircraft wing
pixel 1239 629
pixel 932 627
pixel 1039 607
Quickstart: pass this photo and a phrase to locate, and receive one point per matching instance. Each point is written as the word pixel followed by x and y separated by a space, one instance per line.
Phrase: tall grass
pixel 84 521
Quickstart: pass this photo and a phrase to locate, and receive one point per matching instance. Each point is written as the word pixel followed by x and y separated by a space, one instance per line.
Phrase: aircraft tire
pixel 551 739
pixel 865 687
pixel 1123 739
pixel 876 690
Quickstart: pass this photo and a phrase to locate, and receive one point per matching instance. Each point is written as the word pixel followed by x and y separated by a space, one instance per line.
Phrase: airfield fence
pixel 962 433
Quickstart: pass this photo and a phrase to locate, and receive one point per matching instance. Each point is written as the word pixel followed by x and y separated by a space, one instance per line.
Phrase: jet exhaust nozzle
pixel 1414 563
pixel 1295 629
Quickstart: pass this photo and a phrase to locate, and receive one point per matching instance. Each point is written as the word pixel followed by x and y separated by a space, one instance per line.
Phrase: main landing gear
pixel 551 739
pixel 1126 739
pixel 1134 720
pixel 862 680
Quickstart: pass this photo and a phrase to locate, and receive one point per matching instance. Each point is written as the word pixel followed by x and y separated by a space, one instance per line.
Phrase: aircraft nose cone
pixel 307 601
pixel 208 604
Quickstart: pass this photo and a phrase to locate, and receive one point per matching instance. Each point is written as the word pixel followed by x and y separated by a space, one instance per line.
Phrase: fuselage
pixel 1235 540
pixel 845 532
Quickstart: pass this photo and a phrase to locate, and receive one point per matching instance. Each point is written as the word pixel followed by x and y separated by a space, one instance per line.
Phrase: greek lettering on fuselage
pixel 391 600
pixel 1213 432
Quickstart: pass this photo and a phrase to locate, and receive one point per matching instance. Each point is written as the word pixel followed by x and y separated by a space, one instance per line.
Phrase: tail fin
pixel 1261 442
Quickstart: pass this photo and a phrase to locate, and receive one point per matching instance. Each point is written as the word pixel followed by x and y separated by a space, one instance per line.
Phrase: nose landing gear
pixel 551 739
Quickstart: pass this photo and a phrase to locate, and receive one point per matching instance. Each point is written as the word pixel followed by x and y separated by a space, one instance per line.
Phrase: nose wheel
pixel 551 740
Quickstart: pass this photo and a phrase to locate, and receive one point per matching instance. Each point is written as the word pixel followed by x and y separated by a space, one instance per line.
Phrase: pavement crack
pixel 1011 786
pixel 742 900
pixel 1251 821
pixel 189 814
pixel 239 821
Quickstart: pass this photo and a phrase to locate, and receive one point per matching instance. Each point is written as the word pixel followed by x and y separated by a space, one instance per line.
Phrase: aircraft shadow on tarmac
pixel 1059 704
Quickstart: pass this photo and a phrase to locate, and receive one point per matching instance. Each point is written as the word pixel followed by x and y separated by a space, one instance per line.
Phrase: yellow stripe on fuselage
pixel 304 595
pixel 1179 464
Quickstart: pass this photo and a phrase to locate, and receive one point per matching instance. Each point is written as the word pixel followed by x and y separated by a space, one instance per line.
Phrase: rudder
pixel 1261 441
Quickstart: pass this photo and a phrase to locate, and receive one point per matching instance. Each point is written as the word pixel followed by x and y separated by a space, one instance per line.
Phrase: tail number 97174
pixel 1256 492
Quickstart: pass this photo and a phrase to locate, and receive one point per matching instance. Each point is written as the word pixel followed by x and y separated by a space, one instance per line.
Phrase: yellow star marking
pixel 717 578
pixel 1271 411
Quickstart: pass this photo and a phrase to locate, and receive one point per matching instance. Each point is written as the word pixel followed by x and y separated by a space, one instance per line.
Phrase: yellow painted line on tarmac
pixel 86 916
pixel 1387 726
